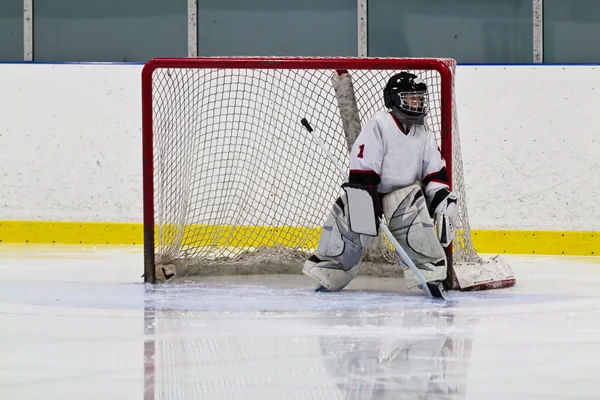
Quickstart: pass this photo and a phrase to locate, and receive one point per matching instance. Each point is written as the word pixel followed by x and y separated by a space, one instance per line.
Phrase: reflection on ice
pixel 253 341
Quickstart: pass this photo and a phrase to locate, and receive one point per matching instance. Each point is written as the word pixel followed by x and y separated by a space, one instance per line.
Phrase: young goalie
pixel 395 167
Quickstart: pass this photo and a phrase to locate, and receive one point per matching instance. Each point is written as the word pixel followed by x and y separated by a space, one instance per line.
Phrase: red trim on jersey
pixel 400 126
pixel 430 175
pixel 440 176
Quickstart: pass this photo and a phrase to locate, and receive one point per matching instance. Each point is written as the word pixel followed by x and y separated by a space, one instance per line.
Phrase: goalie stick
pixel 431 289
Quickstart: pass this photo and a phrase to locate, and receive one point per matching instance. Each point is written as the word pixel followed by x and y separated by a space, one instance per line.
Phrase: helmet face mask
pixel 408 93
pixel 413 102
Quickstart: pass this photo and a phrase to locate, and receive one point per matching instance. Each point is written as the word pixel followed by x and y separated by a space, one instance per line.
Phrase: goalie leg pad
pixel 409 221
pixel 340 250
pixel 445 212
pixel 328 274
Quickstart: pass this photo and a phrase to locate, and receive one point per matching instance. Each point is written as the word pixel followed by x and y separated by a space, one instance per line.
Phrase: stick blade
pixel 436 290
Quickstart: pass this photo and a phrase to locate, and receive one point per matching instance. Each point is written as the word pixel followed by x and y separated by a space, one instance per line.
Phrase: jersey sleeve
pixel 366 155
pixel 435 176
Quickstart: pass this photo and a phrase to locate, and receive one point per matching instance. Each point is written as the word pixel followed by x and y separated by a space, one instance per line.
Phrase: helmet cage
pixel 413 103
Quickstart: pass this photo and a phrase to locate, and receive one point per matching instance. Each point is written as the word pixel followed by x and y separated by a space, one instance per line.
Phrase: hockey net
pixel 233 183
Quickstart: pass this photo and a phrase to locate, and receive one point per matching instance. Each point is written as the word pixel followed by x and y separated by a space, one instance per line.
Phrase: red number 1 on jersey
pixel 361 151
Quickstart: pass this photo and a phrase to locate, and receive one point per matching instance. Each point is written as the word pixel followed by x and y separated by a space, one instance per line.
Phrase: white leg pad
pixel 329 275
pixel 340 250
pixel 410 223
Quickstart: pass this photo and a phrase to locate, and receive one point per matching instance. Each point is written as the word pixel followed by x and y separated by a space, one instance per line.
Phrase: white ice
pixel 77 323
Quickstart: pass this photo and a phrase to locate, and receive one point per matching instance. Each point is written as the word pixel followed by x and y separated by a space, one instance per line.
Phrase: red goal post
pixel 193 108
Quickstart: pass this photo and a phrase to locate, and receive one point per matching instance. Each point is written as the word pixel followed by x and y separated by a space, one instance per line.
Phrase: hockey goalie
pixel 397 169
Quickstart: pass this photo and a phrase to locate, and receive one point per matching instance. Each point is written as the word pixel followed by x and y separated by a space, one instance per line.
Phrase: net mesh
pixel 239 183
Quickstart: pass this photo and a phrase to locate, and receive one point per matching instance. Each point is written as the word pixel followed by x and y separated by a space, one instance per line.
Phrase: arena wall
pixel 71 167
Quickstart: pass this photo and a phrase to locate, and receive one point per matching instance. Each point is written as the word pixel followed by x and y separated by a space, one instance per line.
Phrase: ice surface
pixel 77 323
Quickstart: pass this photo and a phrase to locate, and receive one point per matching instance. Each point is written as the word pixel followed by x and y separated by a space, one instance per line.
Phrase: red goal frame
pixel 331 63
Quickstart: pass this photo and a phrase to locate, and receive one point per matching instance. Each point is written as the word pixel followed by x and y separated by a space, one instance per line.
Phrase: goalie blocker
pixel 363 208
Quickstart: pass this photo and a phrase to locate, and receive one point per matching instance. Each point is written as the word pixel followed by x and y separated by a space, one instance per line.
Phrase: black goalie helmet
pixel 406 92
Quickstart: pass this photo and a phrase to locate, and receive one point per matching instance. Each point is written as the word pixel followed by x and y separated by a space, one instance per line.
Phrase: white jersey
pixel 399 154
